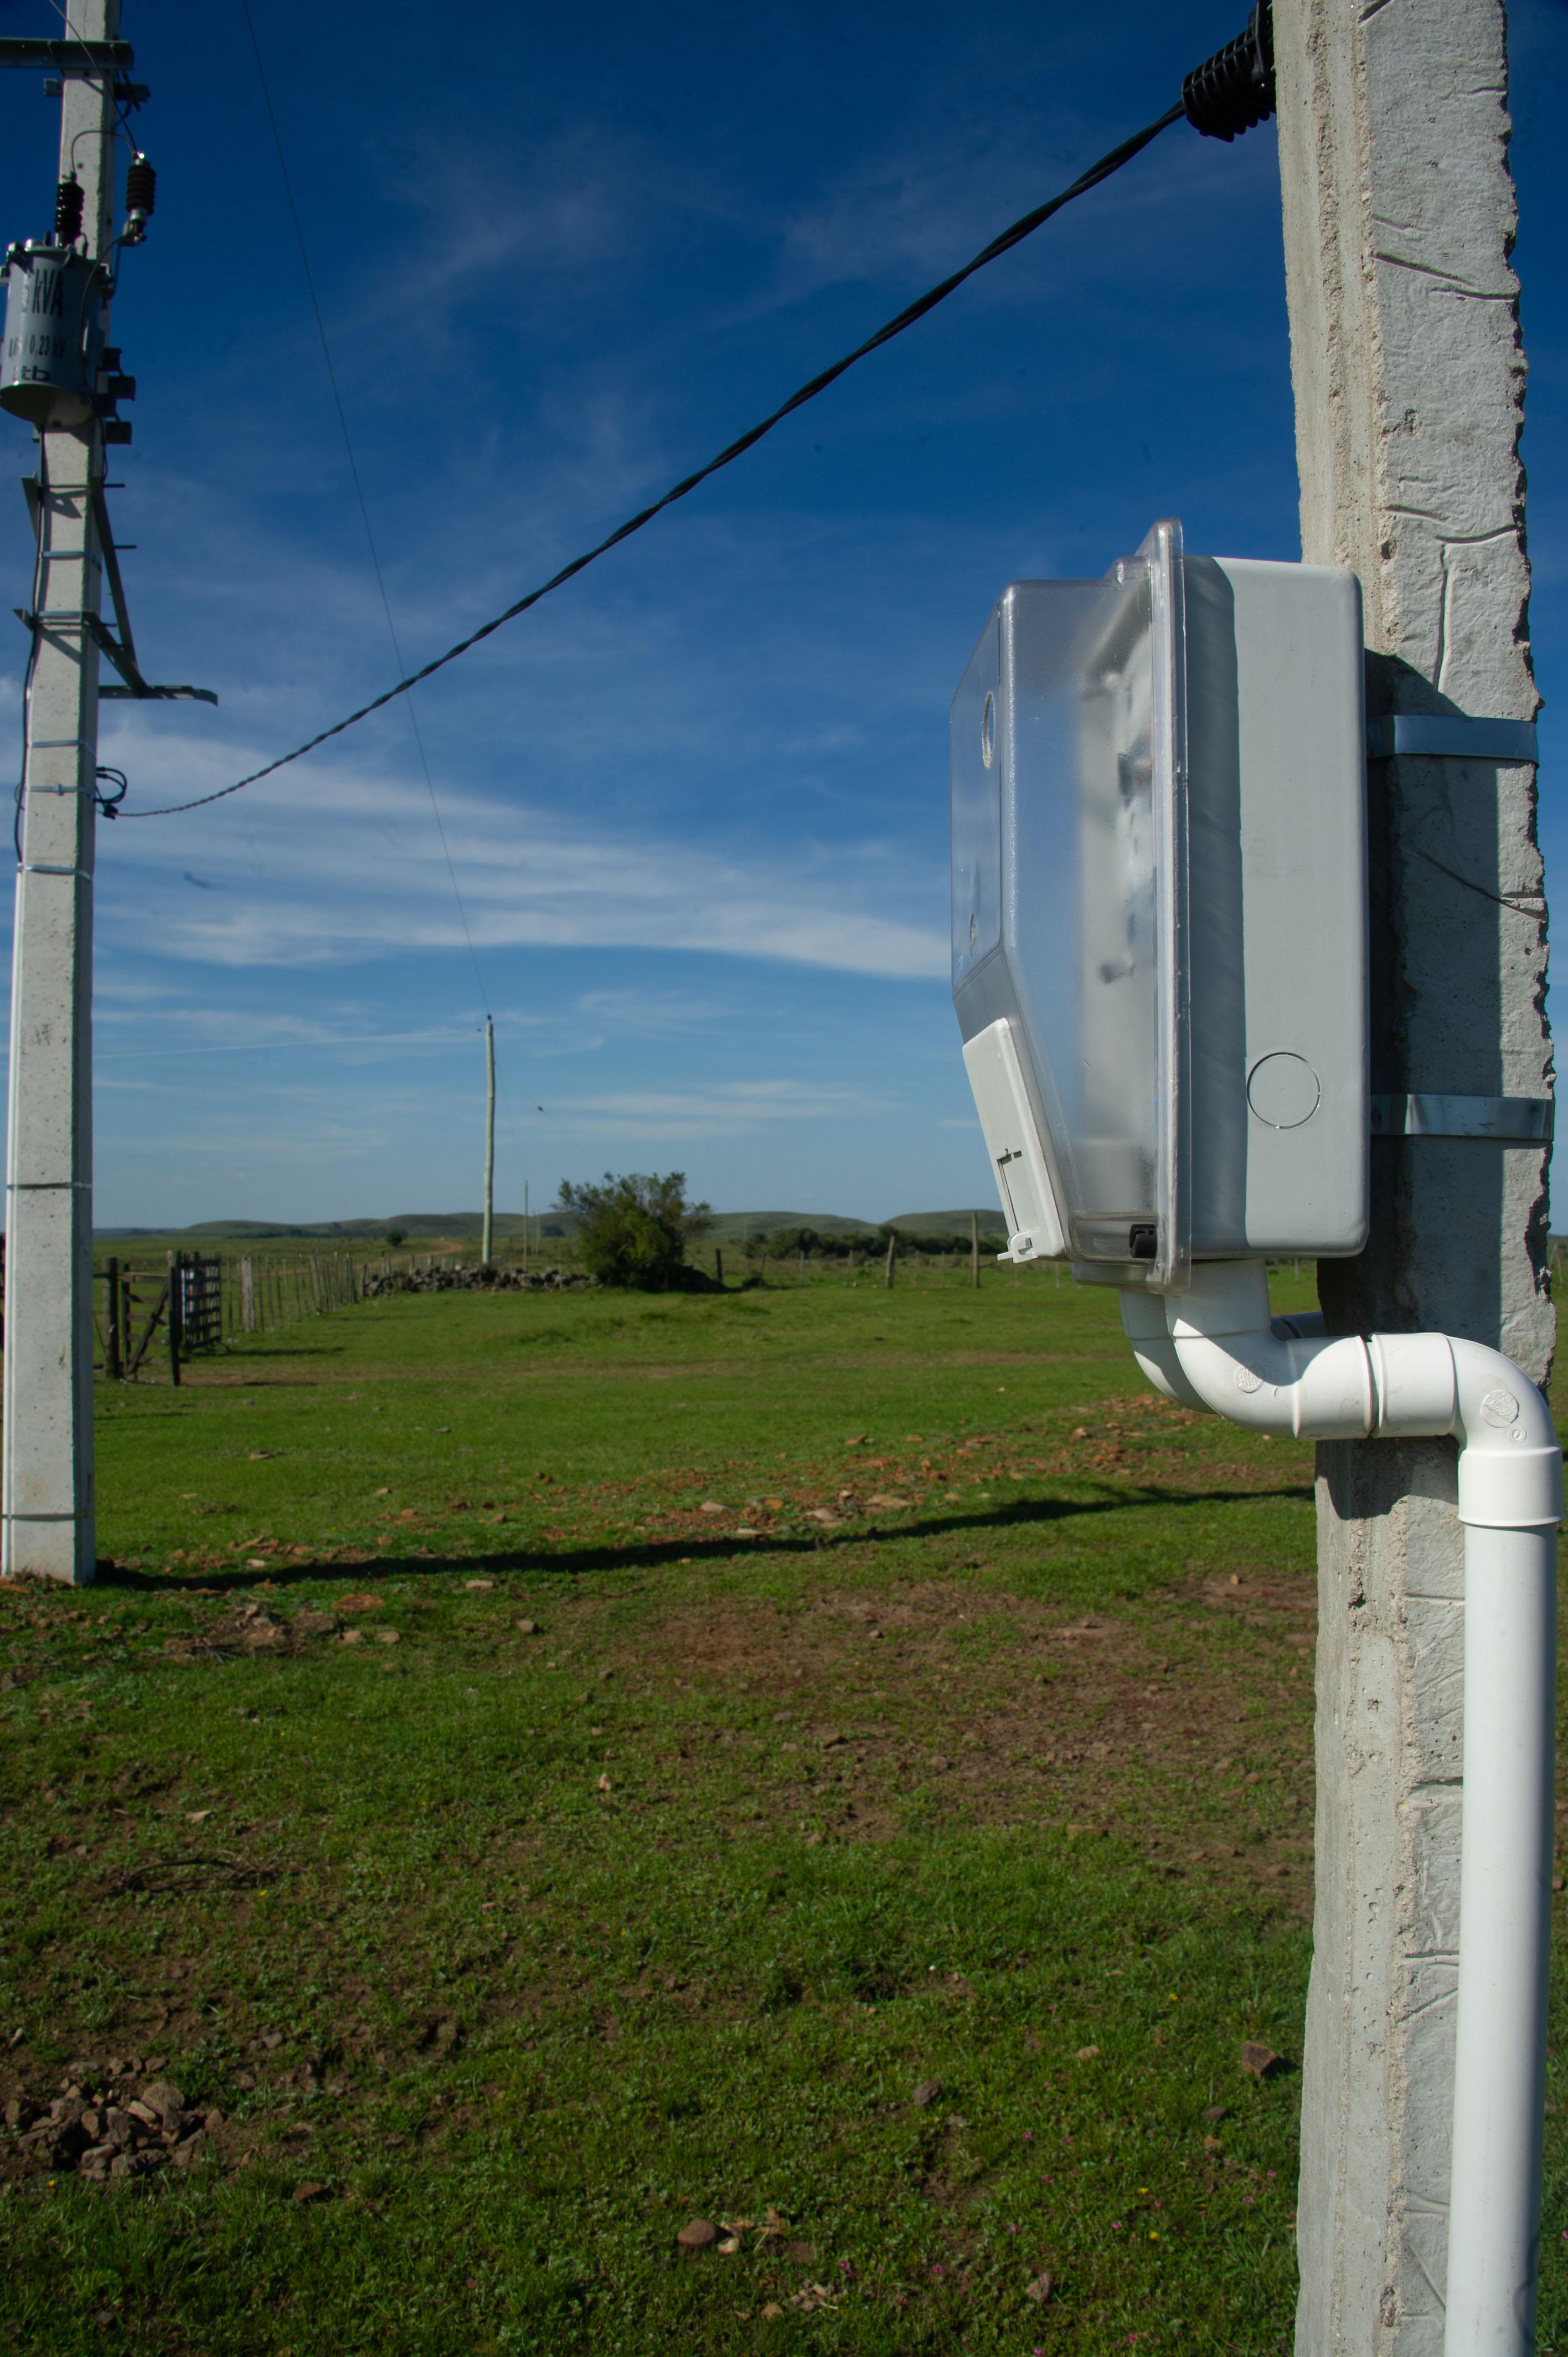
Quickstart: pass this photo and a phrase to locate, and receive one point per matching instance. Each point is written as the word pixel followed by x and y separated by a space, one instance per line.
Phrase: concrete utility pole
pixel 46 1490
pixel 489 1140
pixel 1409 380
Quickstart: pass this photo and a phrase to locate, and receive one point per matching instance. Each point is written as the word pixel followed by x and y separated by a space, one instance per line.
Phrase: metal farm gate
pixel 196 1301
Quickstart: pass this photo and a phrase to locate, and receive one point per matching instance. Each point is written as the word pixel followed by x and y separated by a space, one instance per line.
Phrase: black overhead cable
pixel 1223 97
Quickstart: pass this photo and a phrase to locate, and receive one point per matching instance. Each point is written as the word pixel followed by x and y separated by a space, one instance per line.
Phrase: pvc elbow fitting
pixel 1511 1462
pixel 1215 1347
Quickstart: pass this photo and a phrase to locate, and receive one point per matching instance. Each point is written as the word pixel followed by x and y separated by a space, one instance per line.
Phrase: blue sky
pixel 696 805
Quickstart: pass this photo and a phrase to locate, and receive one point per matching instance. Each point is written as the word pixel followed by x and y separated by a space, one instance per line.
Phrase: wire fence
pixel 156 1314
pixel 149 1320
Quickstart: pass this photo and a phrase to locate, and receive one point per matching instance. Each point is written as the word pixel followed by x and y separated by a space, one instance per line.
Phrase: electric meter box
pixel 1159 912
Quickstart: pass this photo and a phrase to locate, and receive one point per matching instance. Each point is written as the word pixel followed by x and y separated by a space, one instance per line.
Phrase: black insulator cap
pixel 1235 88
pixel 141 185
pixel 68 200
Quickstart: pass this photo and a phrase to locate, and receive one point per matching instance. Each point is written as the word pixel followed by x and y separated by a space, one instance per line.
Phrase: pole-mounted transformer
pixel 53 364
pixel 54 335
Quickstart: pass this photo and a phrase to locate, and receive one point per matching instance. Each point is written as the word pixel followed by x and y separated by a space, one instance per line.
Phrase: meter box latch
pixel 1035 1230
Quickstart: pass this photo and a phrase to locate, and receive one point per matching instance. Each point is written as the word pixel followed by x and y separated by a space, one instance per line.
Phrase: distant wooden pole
pixel 892 1248
pixel 489 1141
pixel 974 1250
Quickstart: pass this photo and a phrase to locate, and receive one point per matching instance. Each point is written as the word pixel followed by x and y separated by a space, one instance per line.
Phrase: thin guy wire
pixel 1009 238
pixel 360 495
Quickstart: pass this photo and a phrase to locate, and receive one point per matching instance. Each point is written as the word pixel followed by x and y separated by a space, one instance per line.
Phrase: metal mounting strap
pixel 1452 735
pixel 1507 1121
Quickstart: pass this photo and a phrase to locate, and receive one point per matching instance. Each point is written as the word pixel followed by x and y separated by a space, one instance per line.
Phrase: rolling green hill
pixel 454 1227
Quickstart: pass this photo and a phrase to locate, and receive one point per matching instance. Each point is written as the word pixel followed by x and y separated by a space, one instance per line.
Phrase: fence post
pixel 112 1354
pixel 892 1248
pixel 176 1262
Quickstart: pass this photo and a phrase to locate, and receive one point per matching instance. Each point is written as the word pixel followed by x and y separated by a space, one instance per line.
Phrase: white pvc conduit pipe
pixel 1217 1348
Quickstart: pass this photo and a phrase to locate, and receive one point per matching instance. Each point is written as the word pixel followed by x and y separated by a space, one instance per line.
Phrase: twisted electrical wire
pixel 1102 170
pixel 1221 98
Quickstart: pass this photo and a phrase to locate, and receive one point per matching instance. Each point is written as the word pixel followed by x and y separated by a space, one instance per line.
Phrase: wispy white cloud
pixel 653 1011
pixel 733 1109
pixel 351 871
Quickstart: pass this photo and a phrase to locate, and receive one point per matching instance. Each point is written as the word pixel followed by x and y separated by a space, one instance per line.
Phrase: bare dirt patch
pixel 1001 1709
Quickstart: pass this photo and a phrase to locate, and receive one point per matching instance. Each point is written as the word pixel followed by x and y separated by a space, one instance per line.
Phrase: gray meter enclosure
pixel 1159 947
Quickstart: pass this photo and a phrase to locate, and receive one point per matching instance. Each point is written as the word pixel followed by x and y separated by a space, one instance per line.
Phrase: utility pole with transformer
pixel 58 372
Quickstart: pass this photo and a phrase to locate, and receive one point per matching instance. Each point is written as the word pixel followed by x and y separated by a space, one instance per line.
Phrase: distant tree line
pixel 634 1230
pixel 790 1243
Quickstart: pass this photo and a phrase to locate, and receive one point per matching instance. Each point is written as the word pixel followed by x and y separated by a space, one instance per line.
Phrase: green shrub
pixel 635 1229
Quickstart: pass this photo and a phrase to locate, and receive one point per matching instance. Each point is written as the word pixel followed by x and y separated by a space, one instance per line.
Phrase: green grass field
pixel 537 1770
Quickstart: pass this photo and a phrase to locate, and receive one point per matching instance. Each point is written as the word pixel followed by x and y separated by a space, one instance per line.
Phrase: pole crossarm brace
pixel 107 545
pixel 121 650
pixel 136 689
pixel 67 57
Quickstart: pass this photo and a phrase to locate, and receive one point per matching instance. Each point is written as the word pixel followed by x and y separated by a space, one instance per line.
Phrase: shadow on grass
pixel 570 1562
pixel 219 1373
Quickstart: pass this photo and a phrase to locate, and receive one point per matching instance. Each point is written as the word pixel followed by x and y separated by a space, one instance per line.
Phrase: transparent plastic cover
pixel 1066 783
